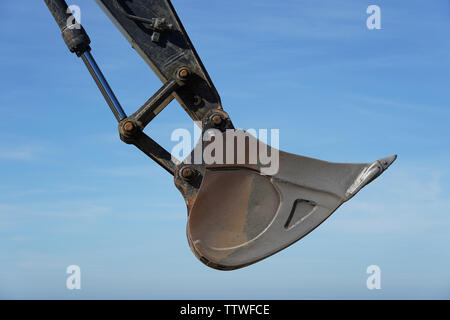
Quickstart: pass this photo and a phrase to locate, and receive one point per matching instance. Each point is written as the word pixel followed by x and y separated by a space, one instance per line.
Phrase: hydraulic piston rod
pixel 103 85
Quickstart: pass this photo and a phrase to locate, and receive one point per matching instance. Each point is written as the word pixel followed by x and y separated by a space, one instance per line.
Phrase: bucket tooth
pixel 369 174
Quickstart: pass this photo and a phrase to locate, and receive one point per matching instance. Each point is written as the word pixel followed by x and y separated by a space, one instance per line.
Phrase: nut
pixel 183 73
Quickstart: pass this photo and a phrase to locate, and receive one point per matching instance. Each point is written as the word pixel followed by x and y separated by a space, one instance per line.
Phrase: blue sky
pixel 72 193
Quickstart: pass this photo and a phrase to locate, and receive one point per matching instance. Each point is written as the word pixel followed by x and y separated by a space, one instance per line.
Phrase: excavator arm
pixel 239 211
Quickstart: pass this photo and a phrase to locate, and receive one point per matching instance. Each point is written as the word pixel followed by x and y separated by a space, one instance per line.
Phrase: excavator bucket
pixel 241 208
pixel 242 213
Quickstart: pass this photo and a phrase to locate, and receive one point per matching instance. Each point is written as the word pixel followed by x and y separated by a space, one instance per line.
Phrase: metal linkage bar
pixel 155 104
pixel 157 153
pixel 131 128
pixel 131 133
pixel 103 85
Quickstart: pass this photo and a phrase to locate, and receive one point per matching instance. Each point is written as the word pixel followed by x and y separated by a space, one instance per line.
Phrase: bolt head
pixel 128 126
pixel 183 73
pixel 216 119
